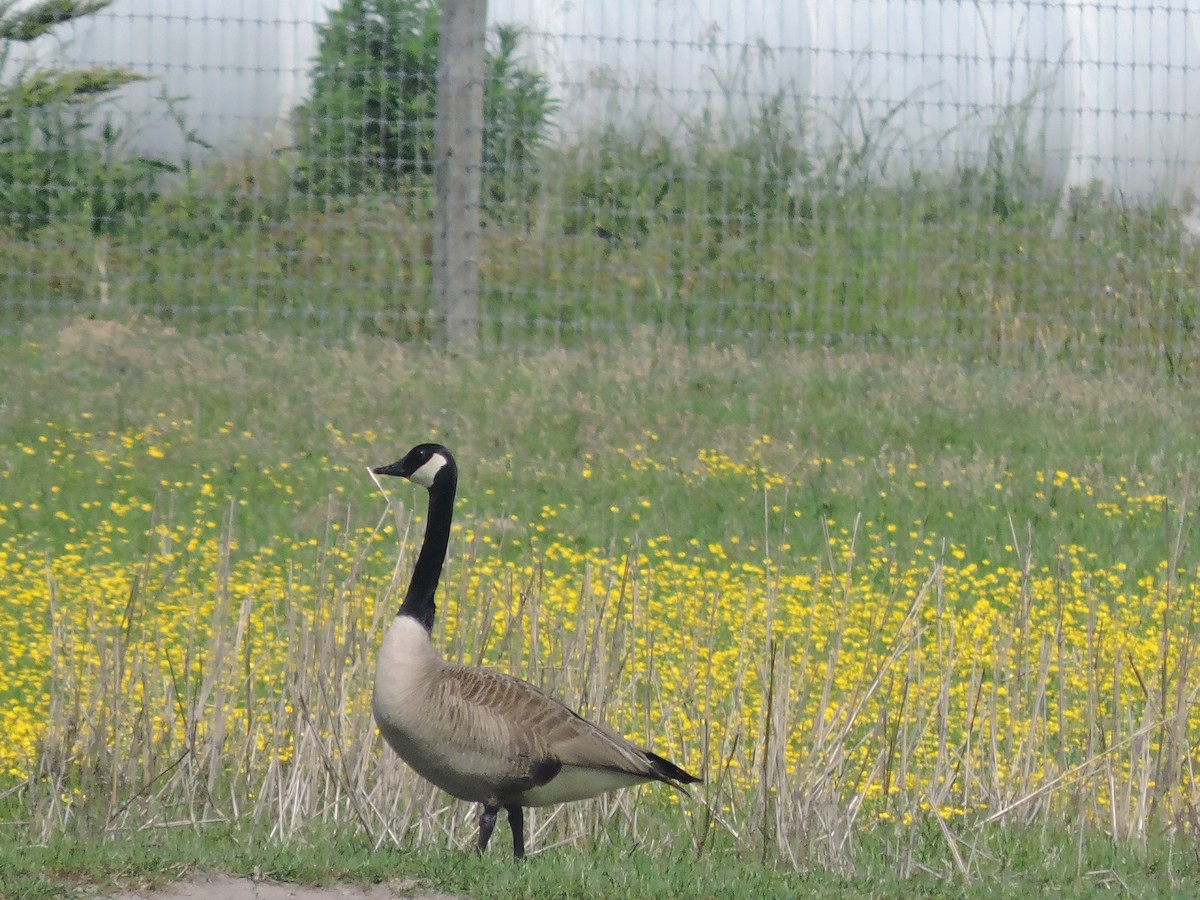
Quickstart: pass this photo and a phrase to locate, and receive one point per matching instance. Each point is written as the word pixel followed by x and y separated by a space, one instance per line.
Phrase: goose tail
pixel 667 771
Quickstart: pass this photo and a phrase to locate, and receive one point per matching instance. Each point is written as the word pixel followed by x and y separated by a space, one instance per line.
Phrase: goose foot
pixel 516 821
pixel 487 822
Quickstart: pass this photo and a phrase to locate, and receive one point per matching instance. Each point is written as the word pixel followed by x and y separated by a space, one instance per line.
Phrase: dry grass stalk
pixel 143 734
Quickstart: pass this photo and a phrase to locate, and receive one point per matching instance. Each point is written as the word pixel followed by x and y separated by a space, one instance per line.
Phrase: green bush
pixel 369 123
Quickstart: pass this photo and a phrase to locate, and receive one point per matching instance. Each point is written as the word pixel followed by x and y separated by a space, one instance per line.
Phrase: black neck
pixel 418 602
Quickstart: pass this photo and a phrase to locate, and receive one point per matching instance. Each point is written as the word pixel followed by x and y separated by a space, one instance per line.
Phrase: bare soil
pixel 225 887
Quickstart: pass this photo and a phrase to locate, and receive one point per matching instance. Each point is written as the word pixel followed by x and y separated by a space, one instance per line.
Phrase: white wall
pixel 628 60
pixel 232 68
pixel 934 83
pixel 1106 89
pixel 1139 99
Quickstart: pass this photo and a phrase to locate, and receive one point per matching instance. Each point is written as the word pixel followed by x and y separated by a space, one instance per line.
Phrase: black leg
pixel 487 821
pixel 516 821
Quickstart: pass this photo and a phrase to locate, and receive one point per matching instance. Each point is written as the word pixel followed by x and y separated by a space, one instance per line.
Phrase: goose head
pixel 428 465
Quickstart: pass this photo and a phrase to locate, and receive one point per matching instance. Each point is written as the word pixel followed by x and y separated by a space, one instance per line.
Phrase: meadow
pixel 919 626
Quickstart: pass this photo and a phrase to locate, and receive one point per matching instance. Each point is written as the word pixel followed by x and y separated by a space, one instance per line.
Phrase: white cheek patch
pixel 424 476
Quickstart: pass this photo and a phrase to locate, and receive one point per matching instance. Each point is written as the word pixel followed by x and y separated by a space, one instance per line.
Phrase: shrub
pixel 369 123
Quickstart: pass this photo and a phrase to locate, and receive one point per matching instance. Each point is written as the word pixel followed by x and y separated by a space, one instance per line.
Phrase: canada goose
pixel 481 735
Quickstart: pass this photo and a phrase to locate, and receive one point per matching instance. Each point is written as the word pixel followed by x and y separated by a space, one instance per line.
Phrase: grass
pixel 920 627
pixel 738 240
pixel 1016 860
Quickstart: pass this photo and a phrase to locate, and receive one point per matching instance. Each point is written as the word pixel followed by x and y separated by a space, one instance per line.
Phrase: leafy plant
pixel 747 175
pixel 51 164
pixel 369 123
pixel 516 109
pixel 221 200
pixel 622 184
pixel 721 178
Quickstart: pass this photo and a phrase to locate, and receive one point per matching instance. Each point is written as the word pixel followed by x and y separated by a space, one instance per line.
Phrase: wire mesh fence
pixel 988 179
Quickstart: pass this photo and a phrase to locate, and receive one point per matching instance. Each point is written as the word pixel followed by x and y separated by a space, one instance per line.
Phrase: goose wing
pixel 531 735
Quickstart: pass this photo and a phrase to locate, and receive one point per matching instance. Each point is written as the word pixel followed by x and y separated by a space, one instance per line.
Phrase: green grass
pixel 852 434
pixel 856 433
pixel 889 863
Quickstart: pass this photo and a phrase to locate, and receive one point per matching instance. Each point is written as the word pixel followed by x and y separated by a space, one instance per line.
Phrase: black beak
pixel 396 469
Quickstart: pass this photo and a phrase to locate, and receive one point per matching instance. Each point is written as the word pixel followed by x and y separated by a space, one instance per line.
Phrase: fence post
pixel 458 164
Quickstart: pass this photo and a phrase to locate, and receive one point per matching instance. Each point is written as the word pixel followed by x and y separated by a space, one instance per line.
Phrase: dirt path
pixel 224 887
